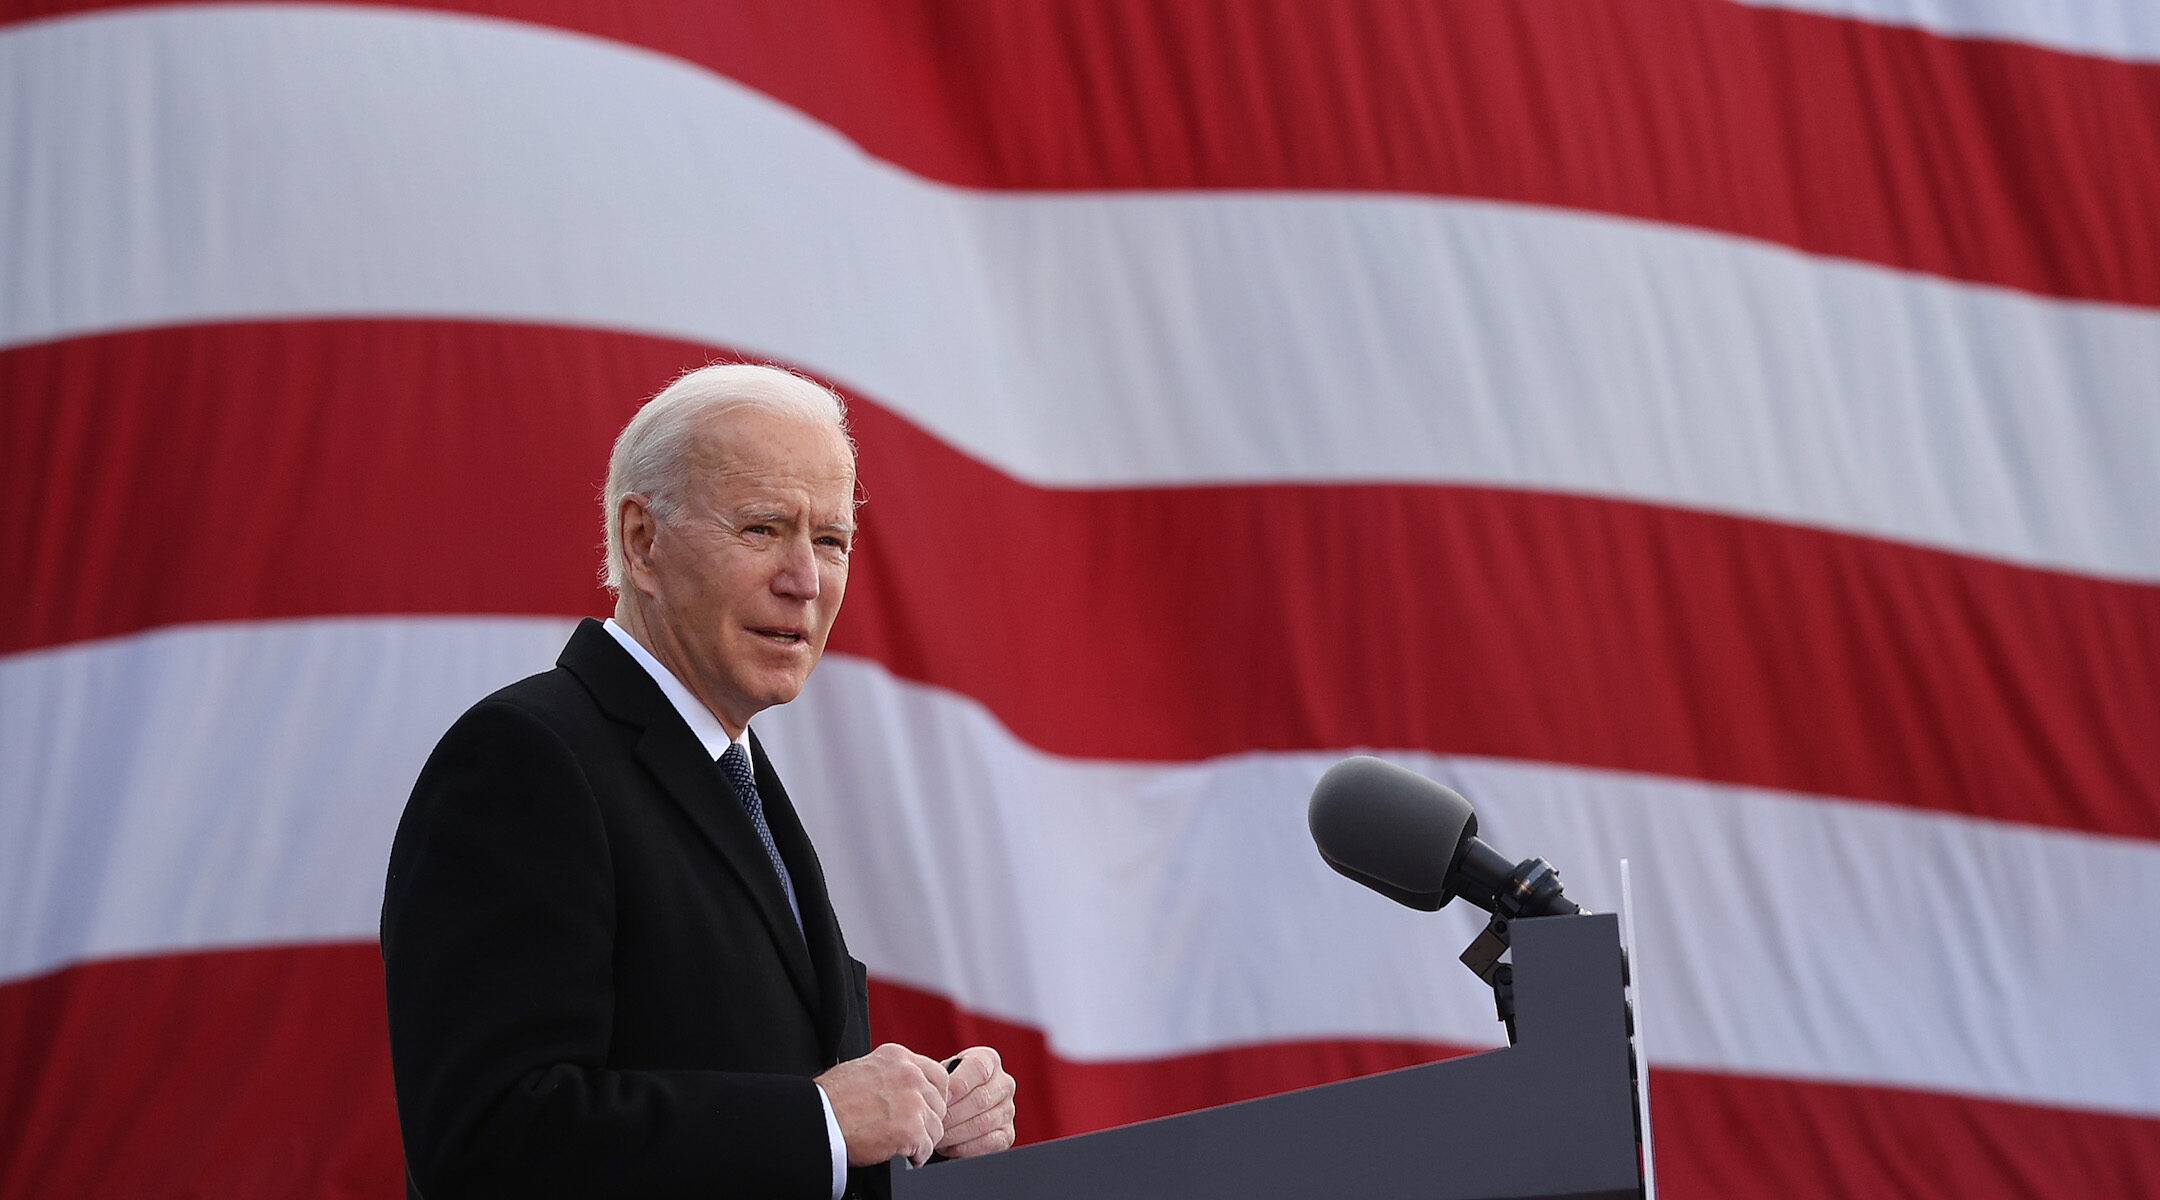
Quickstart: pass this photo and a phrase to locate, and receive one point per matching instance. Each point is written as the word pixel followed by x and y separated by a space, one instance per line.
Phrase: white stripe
pixel 2110 28
pixel 1133 910
pixel 220 785
pixel 199 164
pixel 179 790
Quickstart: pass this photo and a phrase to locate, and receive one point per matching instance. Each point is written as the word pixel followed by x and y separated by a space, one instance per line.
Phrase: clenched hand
pixel 890 1101
pixel 978 1105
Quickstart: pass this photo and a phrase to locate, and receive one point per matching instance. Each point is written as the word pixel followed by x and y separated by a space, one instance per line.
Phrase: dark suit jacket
pixel 595 986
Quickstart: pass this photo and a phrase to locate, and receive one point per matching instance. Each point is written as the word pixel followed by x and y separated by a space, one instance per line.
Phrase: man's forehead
pixel 741 489
pixel 775 475
pixel 789 478
pixel 752 445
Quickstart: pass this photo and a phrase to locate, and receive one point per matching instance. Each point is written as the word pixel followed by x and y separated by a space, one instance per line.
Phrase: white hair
pixel 653 452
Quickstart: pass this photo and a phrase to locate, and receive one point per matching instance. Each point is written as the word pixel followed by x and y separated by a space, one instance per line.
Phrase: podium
pixel 1552 1116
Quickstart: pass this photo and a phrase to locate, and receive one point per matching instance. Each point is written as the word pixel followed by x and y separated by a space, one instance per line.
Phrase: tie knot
pixel 736 766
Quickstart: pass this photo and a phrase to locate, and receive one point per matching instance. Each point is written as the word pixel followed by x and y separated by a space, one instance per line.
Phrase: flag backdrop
pixel 1718 435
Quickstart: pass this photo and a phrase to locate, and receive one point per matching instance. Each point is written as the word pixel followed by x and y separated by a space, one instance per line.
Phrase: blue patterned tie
pixel 736 766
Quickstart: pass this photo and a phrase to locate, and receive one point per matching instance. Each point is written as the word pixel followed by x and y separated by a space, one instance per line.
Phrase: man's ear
pixel 637 526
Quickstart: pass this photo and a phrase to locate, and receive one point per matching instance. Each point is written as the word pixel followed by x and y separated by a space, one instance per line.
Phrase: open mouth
pixel 786 637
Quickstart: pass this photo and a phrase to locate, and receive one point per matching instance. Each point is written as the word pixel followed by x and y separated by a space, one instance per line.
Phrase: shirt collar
pixel 710 733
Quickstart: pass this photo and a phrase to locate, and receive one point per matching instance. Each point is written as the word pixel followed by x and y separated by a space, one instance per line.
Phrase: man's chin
pixel 781 689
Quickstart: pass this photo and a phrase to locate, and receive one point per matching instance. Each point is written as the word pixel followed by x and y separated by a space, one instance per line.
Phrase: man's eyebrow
pixel 774 516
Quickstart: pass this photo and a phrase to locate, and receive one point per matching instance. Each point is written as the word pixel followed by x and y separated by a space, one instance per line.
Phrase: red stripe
pixel 263 1073
pixel 1180 624
pixel 252 1073
pixel 310 468
pixel 1732 1135
pixel 1975 159
pixel 222 472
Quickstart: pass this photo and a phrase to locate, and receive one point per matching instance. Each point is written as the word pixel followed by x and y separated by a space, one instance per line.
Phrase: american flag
pixel 1724 436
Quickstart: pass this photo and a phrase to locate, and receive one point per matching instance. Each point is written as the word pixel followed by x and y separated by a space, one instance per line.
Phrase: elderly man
pixel 611 963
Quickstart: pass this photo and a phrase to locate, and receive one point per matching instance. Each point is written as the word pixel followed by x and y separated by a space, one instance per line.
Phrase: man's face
pixel 742 585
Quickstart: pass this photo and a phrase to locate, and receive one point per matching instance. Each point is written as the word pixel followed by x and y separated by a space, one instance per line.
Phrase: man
pixel 611 964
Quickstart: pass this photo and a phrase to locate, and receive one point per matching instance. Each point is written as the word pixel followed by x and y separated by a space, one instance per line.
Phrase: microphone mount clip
pixel 1531 889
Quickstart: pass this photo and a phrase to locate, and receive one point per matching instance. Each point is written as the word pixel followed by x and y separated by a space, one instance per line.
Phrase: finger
pixel 973 1104
pixel 932 1092
pixel 998 1089
pixel 933 1133
pixel 932 1069
pixel 999 1115
pixel 997 1139
pixel 981 1111
pixel 975 1067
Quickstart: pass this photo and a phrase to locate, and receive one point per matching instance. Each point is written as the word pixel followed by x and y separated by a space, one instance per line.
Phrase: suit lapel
pixel 676 759
pixel 820 926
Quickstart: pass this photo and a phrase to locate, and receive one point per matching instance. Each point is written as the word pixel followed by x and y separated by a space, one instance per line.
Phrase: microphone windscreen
pixel 1391 829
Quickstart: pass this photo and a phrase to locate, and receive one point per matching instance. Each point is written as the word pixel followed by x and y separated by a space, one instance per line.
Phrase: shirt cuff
pixel 836 1141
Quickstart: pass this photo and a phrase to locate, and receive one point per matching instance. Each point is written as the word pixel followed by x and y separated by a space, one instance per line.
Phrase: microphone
pixel 1415 842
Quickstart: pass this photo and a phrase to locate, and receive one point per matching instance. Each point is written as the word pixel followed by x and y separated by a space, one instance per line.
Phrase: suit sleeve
pixel 497 941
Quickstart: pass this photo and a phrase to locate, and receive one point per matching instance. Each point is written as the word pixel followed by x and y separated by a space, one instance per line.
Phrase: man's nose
pixel 797 577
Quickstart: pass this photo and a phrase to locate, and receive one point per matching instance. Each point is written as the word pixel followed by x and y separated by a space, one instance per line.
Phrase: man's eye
pixel 760 530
